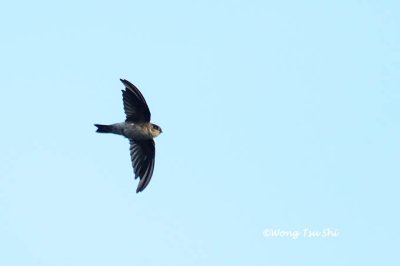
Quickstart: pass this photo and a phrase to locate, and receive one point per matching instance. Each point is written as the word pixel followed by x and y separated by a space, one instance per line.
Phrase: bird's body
pixel 140 132
pixel 136 131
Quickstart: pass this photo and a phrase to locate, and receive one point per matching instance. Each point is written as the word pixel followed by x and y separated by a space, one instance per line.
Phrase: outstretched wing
pixel 142 157
pixel 135 105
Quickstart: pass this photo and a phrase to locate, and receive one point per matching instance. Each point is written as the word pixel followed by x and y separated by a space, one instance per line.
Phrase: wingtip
pixel 141 186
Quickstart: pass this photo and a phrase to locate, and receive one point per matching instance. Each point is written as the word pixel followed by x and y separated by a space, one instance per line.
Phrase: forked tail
pixel 103 128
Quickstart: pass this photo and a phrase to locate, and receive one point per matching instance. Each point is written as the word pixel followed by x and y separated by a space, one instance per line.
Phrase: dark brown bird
pixel 140 132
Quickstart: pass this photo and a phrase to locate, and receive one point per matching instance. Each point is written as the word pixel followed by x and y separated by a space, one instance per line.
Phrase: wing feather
pixel 142 157
pixel 135 105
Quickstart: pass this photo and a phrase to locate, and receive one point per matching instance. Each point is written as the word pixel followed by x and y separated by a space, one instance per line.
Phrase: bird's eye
pixel 155 127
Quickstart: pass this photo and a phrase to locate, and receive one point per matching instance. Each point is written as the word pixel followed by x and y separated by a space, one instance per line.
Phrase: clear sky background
pixel 278 115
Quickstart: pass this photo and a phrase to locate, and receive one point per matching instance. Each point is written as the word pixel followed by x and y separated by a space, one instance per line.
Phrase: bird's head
pixel 155 130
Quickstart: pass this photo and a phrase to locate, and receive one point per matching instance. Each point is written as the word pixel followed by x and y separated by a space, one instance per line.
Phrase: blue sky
pixel 278 115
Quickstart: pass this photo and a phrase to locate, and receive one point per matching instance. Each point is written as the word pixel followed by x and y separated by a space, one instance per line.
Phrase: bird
pixel 139 131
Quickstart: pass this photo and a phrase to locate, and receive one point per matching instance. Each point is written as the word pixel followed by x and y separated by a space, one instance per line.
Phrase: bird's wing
pixel 135 105
pixel 142 157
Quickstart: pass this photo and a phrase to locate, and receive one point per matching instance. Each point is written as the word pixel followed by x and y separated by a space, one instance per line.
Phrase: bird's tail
pixel 103 128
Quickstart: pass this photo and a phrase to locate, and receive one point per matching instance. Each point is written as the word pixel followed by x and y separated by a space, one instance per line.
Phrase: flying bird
pixel 140 132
